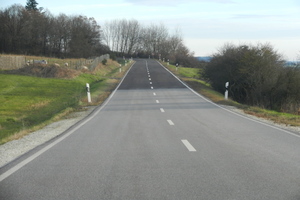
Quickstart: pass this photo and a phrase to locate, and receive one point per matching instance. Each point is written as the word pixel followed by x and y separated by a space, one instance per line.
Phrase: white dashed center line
pixel 154 93
pixel 162 110
pixel 151 88
pixel 157 101
pixel 170 122
pixel 188 145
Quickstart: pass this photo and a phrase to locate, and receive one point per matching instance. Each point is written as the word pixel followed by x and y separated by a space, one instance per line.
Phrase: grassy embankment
pixel 28 103
pixel 191 77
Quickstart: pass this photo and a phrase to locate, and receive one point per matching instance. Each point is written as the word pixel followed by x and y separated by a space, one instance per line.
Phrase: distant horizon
pixel 205 58
pixel 206 25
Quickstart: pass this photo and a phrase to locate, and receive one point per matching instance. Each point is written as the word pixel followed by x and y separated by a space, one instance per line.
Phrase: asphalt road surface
pixel 156 139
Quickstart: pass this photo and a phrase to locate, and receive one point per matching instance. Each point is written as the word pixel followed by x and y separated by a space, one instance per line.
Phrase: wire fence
pixel 8 62
pixel 97 61
pixel 12 62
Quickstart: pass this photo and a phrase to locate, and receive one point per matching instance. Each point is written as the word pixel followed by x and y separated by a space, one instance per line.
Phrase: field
pixel 29 102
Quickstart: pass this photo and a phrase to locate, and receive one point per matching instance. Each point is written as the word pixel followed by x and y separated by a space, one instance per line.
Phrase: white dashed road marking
pixel 170 122
pixel 188 145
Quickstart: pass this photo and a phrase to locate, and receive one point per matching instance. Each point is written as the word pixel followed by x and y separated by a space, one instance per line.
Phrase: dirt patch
pixel 45 71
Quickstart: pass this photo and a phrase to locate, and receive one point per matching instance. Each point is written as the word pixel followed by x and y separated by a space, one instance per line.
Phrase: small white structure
pixel 88 92
pixel 226 92
pixel 40 62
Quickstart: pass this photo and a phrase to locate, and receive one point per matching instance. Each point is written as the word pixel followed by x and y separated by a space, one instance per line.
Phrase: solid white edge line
pixel 49 146
pixel 245 117
pixel 188 145
pixel 170 122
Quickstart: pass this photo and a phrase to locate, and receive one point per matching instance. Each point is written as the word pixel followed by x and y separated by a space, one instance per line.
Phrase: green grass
pixel 278 117
pixel 183 71
pixel 189 72
pixel 188 76
pixel 27 103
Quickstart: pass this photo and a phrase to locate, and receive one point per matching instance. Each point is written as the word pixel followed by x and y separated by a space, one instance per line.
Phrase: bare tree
pixel 122 35
pixel 60 35
pixel 33 31
pixel 134 30
pixel 13 25
pixel 85 36
pixel 154 39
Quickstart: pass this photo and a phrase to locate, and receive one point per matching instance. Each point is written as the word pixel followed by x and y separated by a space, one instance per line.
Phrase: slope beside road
pixel 156 139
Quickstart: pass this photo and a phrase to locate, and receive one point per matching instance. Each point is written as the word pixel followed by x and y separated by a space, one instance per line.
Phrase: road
pixel 156 139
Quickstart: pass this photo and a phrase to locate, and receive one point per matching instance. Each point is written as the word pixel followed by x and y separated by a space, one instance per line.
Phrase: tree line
pixel 35 31
pixel 31 31
pixel 132 38
pixel 257 76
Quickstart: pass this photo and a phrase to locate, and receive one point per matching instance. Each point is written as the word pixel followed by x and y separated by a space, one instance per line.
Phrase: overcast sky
pixel 206 25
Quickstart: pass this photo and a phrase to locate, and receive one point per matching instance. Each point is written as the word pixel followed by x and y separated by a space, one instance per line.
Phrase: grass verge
pixel 28 103
pixel 191 77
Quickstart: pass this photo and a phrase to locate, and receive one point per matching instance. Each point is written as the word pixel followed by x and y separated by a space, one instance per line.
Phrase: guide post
pixel 88 92
pixel 226 92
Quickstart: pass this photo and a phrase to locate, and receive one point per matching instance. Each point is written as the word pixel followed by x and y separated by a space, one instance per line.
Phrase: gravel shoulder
pixel 14 149
pixel 293 129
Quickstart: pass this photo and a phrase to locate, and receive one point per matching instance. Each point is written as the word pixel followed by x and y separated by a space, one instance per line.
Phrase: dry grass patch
pixel 40 104
pixel 107 69
pixel 277 117
pixel 46 71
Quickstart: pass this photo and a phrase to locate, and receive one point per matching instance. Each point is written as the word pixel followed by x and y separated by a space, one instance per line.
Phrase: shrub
pixel 104 62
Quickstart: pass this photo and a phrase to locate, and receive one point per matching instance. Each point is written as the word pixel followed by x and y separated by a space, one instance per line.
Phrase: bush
pixel 255 74
pixel 104 62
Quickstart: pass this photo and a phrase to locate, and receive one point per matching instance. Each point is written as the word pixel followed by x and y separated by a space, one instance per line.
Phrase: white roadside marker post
pixel 88 92
pixel 226 92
